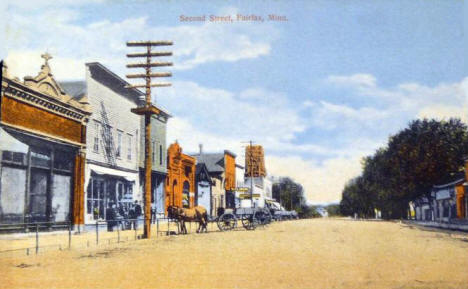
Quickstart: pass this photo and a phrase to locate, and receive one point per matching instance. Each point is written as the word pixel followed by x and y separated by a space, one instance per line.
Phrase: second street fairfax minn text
pixel 233 18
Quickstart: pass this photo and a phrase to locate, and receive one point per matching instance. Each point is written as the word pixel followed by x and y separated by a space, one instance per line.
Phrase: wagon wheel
pixel 249 222
pixel 227 222
pixel 262 217
pixel 267 217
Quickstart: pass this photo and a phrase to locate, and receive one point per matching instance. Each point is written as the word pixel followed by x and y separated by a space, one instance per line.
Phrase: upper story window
pixel 160 155
pixel 129 146
pixel 96 136
pixel 118 150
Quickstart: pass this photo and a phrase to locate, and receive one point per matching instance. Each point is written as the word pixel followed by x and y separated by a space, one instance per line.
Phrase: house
pixel 445 198
pixel 222 171
pixel 180 179
pixel 113 141
pixel 42 150
pixel 203 193
pixel 422 209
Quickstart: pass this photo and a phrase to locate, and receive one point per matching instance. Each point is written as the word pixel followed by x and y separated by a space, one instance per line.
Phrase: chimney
pixel 201 148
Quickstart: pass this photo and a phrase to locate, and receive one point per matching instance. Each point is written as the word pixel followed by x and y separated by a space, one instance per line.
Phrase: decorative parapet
pixel 44 92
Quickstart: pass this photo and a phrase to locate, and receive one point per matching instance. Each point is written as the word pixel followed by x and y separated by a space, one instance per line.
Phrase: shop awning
pixel 128 176
pixel 9 143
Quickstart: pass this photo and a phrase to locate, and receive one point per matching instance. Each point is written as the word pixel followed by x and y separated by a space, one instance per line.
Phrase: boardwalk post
pixel 69 235
pixel 97 233
pixel 118 234
pixel 37 238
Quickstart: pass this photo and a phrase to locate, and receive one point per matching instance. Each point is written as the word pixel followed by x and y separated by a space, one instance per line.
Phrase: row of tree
pixel 291 196
pixel 425 153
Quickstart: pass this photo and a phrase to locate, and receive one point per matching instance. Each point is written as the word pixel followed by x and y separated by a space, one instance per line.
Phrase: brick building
pixel 42 150
pixel 180 180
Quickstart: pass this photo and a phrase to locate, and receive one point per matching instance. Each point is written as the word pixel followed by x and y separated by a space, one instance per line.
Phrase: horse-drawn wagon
pixel 249 217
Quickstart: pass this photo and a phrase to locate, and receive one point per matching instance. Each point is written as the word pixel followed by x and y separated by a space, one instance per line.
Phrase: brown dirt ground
pixel 321 253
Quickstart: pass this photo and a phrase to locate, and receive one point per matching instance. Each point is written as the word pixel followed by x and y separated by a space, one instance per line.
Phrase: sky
pixel 318 91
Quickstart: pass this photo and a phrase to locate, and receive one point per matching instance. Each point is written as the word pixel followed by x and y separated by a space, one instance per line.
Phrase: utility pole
pixel 148 109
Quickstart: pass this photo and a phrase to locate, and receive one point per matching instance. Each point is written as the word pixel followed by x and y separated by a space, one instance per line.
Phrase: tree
pixel 427 152
pixel 289 193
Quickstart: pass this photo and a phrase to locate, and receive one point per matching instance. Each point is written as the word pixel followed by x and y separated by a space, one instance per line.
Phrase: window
pixel 187 171
pixel 14 157
pixel 129 147
pixel 63 161
pixel 95 199
pixel 96 137
pixel 118 151
pixel 160 155
pixel 40 157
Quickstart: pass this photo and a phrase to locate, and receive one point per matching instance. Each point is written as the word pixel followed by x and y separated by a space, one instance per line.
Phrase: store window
pixel 95 199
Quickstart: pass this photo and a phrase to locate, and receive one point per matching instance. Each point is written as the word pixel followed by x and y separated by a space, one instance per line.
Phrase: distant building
pixel 445 199
pixel 180 179
pixel 222 170
pixel 42 150
pixel 203 186
pixel 422 209
pixel 112 159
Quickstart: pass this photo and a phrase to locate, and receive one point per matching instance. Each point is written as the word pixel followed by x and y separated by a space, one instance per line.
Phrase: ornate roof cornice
pixel 44 92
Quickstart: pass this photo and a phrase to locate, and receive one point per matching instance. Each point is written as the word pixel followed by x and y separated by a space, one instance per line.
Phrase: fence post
pixel 37 238
pixel 118 233
pixel 69 235
pixel 135 224
pixel 97 233
pixel 157 227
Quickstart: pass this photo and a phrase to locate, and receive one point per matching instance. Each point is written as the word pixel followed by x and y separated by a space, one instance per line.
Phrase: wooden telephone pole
pixel 148 109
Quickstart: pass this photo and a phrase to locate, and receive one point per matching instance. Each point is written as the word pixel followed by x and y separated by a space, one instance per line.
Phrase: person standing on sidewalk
pixel 136 214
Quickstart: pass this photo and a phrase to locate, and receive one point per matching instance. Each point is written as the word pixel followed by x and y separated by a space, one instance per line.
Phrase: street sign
pixel 247 196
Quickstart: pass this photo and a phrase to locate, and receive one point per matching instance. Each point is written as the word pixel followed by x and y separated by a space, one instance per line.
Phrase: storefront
pixel 42 134
pixel 107 187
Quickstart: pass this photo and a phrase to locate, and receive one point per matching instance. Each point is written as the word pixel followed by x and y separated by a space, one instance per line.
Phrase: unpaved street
pixel 297 254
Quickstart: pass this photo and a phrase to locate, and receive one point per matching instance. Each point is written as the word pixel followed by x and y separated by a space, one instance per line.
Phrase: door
pixel 39 187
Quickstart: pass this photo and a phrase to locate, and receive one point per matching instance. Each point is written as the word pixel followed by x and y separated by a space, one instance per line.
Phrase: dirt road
pixel 298 254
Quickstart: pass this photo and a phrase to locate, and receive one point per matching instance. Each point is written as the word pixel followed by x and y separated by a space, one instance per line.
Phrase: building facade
pixel 42 150
pixel 203 187
pixel 112 155
pixel 222 171
pixel 180 180
pixel 158 158
pixel 445 200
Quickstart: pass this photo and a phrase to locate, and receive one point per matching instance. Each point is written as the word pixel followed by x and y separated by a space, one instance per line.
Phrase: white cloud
pixel 359 80
pixel 322 183
pixel 228 114
pixel 104 40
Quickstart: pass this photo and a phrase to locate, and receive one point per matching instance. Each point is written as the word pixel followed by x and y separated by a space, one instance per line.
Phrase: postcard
pixel 233 144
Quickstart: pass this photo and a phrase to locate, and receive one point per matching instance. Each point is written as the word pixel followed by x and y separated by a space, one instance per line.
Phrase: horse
pixel 182 215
